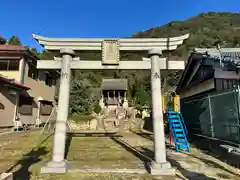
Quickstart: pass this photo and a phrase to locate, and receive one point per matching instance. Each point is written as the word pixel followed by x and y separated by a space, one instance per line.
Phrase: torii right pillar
pixel 159 166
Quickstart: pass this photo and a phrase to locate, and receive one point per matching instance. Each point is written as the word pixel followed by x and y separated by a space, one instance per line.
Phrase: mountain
pixel 206 30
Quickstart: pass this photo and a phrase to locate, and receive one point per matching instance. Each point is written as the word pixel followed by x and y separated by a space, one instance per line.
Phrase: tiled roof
pixel 13 48
pixel 114 84
pixel 223 53
pixel 13 82
pixel 17 49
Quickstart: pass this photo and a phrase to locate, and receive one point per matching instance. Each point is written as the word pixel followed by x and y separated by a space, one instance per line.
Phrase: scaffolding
pixel 49 125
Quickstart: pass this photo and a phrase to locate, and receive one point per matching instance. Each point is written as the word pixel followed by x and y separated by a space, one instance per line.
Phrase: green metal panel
pixel 197 116
pixel 225 115
pixel 214 115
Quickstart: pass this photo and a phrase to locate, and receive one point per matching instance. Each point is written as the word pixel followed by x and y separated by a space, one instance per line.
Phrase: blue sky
pixel 97 18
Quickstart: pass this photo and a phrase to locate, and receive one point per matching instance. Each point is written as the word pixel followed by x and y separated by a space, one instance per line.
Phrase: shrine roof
pixel 114 84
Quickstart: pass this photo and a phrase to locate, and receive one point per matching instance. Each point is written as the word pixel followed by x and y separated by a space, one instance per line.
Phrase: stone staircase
pixel 109 120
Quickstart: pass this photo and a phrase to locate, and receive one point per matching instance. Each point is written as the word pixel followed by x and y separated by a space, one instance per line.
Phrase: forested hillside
pixel 206 30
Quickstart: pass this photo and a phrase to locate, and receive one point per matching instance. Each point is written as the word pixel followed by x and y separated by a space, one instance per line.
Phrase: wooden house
pixel 206 72
pixel 210 94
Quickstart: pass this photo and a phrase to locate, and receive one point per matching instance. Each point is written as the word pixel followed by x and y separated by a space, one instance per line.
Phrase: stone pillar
pixel 114 96
pixel 22 67
pixel 58 163
pixel 38 120
pixel 108 96
pixel 16 119
pixel 101 102
pixel 160 165
pixel 119 97
pixel 125 104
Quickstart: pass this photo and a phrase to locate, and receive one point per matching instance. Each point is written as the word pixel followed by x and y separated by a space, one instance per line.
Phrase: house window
pixel 32 72
pixel 25 105
pixel 46 108
pixel 9 65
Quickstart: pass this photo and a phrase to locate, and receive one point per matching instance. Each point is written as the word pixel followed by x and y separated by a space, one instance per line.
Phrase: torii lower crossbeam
pixel 124 65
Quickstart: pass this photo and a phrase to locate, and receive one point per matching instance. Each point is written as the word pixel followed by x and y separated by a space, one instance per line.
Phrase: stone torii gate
pixel 110 60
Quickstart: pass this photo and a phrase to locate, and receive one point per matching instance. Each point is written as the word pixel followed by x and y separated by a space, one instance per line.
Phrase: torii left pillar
pixel 58 163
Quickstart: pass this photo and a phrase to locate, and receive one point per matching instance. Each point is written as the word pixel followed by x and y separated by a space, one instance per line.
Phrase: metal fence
pixel 215 115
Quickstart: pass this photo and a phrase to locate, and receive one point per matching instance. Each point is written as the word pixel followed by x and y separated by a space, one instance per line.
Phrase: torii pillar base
pixel 55 167
pixel 160 169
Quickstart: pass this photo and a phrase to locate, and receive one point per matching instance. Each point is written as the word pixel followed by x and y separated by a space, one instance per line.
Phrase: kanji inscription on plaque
pixel 110 52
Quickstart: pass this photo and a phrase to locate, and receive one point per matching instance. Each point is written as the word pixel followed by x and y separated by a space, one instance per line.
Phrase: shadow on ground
pixel 212 148
pixel 149 136
pixel 146 135
pixel 209 147
pixel 146 156
pixel 188 174
pixel 28 159
pixel 200 144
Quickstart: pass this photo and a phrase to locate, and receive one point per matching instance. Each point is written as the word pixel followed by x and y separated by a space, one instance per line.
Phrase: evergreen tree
pixel 34 51
pixel 84 96
pixel 14 40
pixel 2 40
pixel 44 55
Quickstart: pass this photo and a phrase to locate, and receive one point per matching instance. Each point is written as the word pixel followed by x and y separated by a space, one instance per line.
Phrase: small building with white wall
pixel 114 92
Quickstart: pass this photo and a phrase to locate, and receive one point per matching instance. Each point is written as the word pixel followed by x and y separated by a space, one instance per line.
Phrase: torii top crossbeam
pixel 110 52
pixel 127 44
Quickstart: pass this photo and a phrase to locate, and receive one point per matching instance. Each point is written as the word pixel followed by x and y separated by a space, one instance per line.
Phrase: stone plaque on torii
pixel 111 49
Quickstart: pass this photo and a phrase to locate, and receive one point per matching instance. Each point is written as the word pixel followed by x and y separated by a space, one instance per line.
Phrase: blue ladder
pixel 179 131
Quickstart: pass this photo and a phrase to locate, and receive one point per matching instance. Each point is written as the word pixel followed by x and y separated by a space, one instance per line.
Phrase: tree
pixel 34 50
pixel 84 97
pixel 2 40
pixel 44 55
pixel 142 97
pixel 14 40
